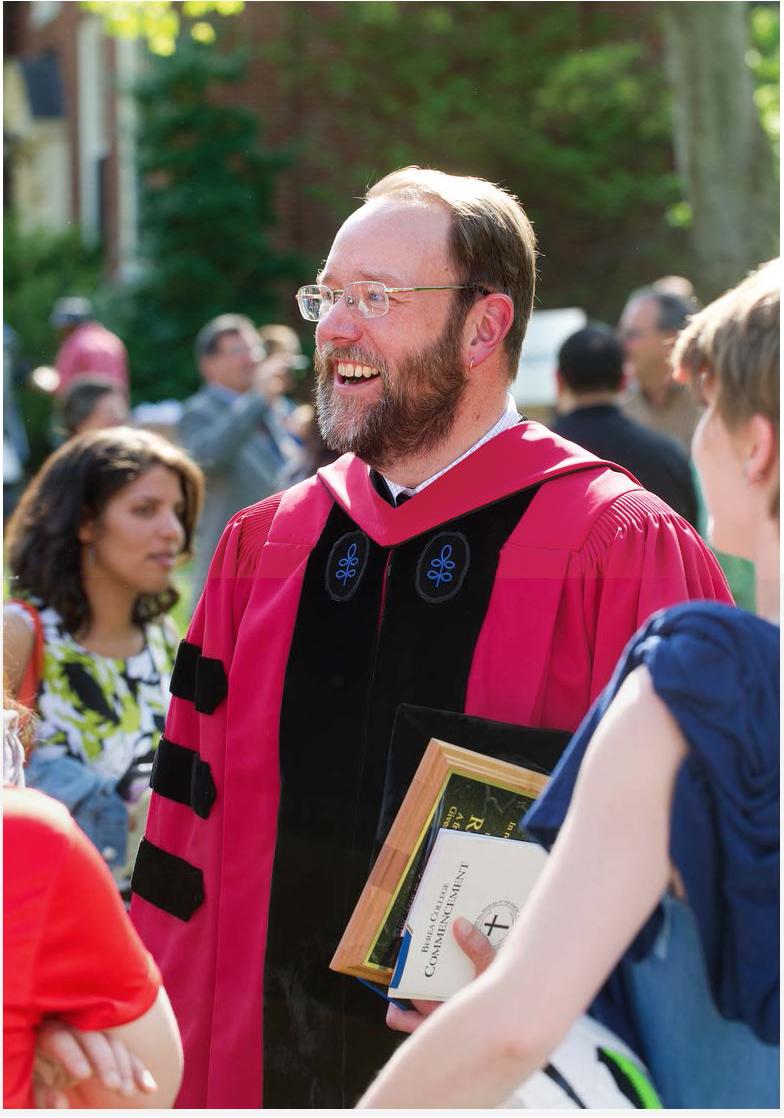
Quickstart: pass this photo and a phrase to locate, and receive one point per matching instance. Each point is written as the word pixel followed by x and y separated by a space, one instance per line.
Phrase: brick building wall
pixel 30 35
pixel 298 118
pixel 291 116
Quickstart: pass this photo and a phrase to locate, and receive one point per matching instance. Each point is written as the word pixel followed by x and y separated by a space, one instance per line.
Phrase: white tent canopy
pixel 547 331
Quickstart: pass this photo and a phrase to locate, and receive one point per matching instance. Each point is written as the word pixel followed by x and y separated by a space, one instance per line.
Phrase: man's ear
pixel 488 324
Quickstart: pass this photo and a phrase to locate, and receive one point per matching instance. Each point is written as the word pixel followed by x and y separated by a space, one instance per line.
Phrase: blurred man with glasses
pixel 457 564
pixel 649 326
pixel 231 429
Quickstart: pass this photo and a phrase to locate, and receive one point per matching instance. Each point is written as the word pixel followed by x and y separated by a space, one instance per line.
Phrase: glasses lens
pixel 313 301
pixel 368 297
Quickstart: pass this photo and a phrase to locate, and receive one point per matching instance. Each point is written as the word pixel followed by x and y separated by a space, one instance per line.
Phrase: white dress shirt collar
pixel 509 417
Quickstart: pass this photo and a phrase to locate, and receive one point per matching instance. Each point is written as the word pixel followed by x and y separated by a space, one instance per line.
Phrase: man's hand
pixel 478 949
pixel 66 1058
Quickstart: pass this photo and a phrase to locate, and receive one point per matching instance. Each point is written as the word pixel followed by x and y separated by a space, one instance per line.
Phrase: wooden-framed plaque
pixel 453 788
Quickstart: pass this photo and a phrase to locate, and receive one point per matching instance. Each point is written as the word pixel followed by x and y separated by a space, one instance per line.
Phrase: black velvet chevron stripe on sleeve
pixel 198 679
pixel 168 882
pixel 180 774
pixel 212 686
pixel 183 679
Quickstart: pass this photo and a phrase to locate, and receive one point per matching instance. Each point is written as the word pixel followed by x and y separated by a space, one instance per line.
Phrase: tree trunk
pixel 721 151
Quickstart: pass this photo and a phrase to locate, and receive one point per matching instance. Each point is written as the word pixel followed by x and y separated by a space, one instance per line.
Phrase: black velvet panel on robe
pixel 376 627
pixel 531 747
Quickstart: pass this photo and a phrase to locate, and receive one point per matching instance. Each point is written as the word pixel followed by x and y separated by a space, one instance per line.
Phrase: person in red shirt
pixel 72 964
pixel 87 348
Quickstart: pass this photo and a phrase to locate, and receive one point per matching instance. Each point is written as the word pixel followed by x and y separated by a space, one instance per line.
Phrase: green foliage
pixel 206 204
pixel 40 265
pixel 158 22
pixel 566 104
pixel 763 59
pixel 181 613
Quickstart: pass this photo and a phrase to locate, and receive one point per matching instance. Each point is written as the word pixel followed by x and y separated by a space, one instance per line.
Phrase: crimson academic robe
pixel 506 590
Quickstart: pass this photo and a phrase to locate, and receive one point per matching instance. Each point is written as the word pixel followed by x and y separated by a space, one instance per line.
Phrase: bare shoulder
pixel 18 640
pixel 638 694
pixel 638 738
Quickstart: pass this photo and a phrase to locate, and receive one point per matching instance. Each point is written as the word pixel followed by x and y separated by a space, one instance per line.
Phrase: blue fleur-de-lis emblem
pixel 347 566
pixel 441 566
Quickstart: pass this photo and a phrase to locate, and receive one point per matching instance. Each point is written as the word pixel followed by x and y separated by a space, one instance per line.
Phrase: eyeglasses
pixel 366 298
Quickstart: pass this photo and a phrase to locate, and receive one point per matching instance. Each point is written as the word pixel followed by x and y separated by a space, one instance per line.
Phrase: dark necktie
pixel 383 490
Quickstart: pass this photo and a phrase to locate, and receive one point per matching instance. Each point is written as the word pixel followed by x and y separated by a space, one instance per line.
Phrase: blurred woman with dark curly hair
pixel 91 548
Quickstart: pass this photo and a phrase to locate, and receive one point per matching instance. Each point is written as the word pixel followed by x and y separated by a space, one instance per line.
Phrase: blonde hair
pixel 492 242
pixel 735 341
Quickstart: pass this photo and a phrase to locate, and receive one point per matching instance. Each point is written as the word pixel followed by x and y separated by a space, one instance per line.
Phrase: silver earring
pixel 470 364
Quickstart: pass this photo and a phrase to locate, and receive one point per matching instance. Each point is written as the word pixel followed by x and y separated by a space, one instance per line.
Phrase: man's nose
pixel 339 325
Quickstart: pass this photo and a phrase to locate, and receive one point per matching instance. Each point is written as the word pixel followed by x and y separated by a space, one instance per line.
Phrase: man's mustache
pixel 353 354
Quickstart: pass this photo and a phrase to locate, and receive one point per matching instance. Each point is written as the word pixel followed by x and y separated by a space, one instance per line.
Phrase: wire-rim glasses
pixel 365 298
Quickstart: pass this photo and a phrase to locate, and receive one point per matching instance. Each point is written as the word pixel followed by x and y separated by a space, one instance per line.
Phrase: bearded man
pixel 503 589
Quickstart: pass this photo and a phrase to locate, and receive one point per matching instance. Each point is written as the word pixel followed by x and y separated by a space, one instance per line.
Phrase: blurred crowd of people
pixel 244 427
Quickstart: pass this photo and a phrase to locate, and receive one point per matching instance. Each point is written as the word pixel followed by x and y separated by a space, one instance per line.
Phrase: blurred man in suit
pixel 589 379
pixel 231 429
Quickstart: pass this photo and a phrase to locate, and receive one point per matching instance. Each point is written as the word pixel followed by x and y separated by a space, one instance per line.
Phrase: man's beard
pixel 416 411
